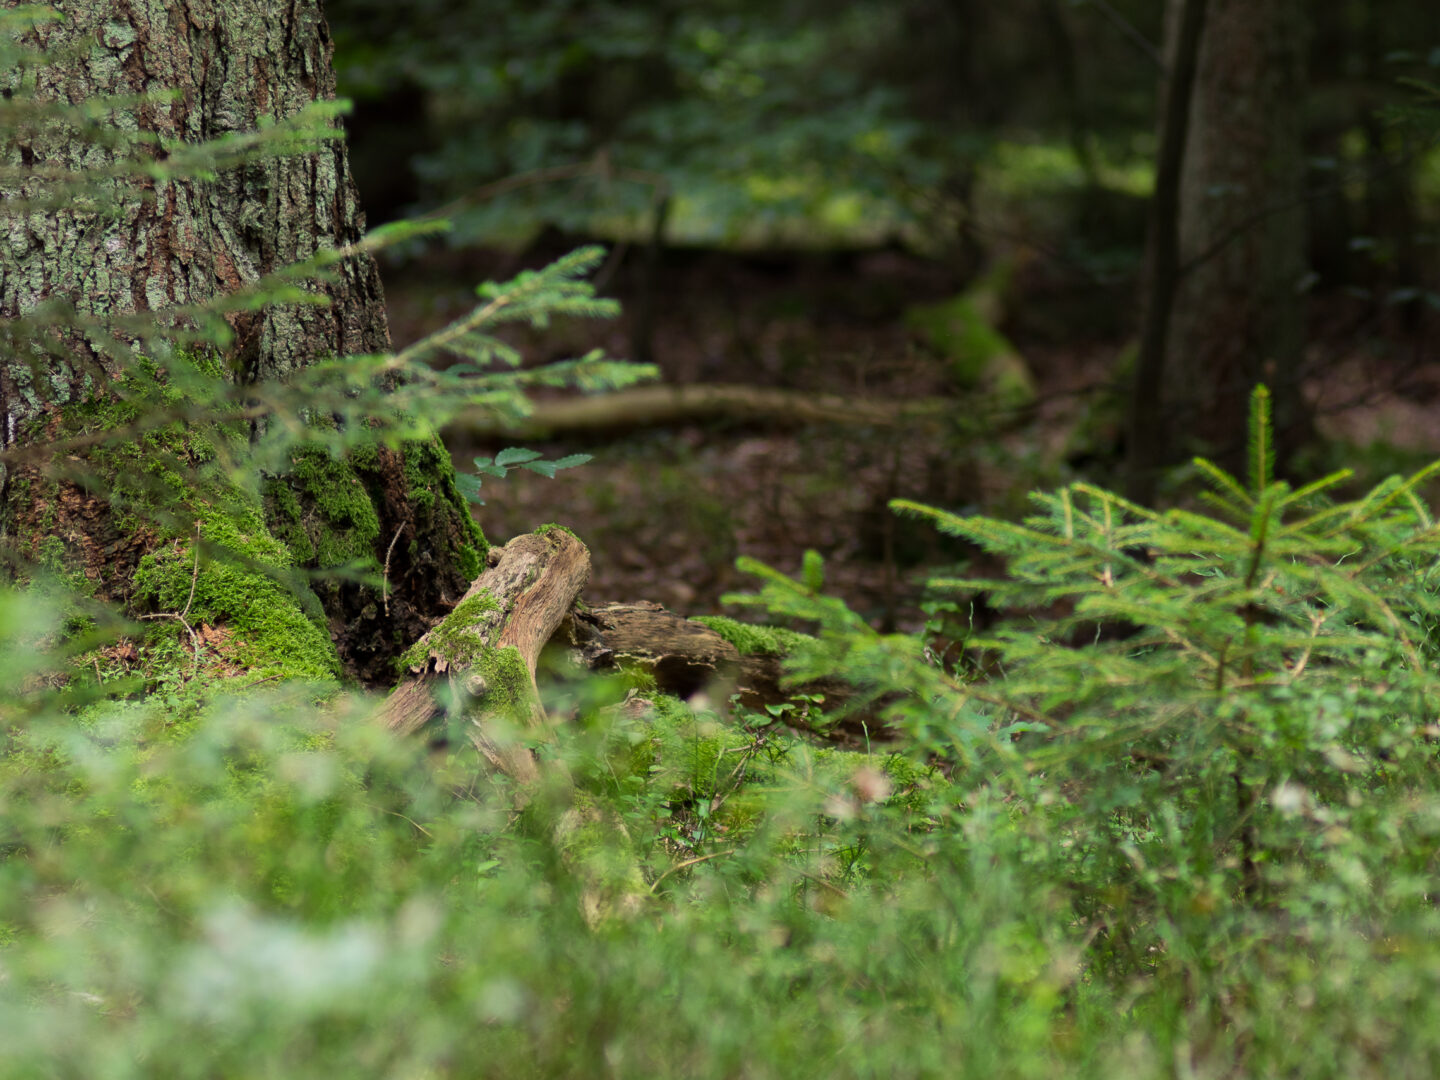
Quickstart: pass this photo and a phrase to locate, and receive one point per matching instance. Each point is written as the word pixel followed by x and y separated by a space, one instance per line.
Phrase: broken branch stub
pixel 479 661
pixel 683 655
pixel 686 657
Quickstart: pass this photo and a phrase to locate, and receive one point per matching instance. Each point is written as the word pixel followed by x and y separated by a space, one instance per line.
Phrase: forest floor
pixel 666 510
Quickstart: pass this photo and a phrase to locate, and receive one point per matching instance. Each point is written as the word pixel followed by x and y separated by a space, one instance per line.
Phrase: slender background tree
pixel 1239 316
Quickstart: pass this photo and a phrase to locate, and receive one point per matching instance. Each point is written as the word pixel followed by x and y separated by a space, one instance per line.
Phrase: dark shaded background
pixel 785 185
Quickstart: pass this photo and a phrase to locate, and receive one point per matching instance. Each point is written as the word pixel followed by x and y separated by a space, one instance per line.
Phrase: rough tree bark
pixel 1239 318
pixel 233 66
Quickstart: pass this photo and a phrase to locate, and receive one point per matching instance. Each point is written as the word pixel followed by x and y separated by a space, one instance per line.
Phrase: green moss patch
pixel 426 465
pixel 270 630
pixel 962 332
pixel 507 679
pixel 750 639
pixel 457 639
pixel 341 525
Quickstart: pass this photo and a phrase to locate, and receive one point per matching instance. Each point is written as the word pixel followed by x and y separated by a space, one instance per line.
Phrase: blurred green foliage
pixel 796 121
pixel 1175 814
pixel 957 128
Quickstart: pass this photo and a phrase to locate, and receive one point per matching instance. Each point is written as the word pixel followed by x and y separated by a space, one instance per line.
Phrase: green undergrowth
pixel 214 561
pixel 1174 811
pixel 690 756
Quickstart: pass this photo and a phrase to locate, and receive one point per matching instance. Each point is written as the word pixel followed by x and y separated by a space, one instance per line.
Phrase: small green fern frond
pixel 1404 488
pixel 1377 608
pixel 1199 527
pixel 1101 495
pixel 748 565
pixel 1309 526
pixel 991 534
pixel 1419 509
pixel 1226 506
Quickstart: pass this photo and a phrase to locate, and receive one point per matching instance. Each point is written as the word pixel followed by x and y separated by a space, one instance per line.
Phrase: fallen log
pixel 682 655
pixel 479 661
pixel 478 664
pixel 685 657
pixel 658 405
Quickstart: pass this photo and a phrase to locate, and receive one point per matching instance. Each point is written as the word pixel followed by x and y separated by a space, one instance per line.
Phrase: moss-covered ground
pixel 263 577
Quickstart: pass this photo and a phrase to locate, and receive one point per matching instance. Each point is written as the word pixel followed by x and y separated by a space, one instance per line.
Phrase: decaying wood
pixel 533 582
pixel 684 656
pixel 529 596
pixel 649 406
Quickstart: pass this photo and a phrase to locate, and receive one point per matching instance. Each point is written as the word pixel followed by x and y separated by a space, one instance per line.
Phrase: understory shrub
pixel 1176 813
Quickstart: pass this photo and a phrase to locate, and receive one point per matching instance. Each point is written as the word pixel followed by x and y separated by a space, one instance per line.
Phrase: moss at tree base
pixel 389 525
pixel 271 633
pixel 396 516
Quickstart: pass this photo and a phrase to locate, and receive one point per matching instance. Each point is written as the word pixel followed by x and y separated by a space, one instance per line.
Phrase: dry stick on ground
pixel 642 406
pixel 181 617
pixel 471 662
pixel 385 586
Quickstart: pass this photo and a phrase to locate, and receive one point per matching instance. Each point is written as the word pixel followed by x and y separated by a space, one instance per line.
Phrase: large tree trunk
pixel 233 66
pixel 1238 318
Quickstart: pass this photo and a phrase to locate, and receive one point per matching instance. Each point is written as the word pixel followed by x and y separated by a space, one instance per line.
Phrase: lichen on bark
pixel 151 242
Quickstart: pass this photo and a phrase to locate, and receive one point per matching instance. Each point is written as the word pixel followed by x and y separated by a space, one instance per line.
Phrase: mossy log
pixel 682 655
pixel 685 656
pixel 479 661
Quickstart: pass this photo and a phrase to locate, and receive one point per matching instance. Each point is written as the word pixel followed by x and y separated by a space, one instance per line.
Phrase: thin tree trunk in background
pixel 642 337
pixel 1390 215
pixel 1238 315
pixel 1146 450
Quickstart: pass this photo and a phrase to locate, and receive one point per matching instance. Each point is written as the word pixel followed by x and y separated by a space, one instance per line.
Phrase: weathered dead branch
pixel 479 662
pixel 656 405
